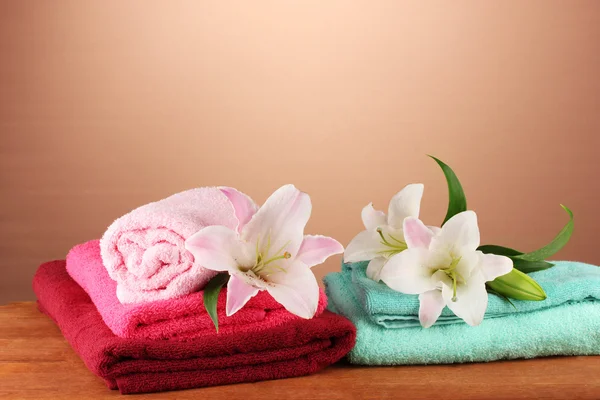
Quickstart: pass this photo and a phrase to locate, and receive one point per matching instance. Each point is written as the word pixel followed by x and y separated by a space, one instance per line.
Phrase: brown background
pixel 106 106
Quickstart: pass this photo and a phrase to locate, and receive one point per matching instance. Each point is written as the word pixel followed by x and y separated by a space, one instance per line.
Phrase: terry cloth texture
pixel 180 318
pixel 298 347
pixel 567 323
pixel 144 250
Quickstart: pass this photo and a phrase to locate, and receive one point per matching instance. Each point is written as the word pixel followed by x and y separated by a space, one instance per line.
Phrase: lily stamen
pixel 454 275
pixel 261 265
pixel 383 239
pixel 394 248
pixel 397 240
pixel 284 256
pixel 454 298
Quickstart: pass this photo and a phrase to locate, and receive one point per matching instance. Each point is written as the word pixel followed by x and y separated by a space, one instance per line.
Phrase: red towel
pixel 298 347
pixel 182 318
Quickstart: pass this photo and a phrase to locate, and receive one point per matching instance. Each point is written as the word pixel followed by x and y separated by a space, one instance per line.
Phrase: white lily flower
pixel 269 251
pixel 383 236
pixel 445 269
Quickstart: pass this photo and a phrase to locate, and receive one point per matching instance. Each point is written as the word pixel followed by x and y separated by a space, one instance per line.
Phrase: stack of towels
pixel 389 333
pixel 131 306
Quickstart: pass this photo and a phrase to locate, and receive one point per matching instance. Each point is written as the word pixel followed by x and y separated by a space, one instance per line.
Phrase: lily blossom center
pixel 391 246
pixel 452 273
pixel 265 265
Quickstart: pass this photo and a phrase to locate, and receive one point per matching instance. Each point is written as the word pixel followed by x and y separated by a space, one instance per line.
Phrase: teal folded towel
pixel 566 282
pixel 567 323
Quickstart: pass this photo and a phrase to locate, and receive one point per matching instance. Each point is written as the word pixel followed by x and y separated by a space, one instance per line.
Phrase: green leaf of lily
pixel 520 264
pixel 530 266
pixel 211 295
pixel 498 250
pixel 517 285
pixel 558 243
pixel 457 202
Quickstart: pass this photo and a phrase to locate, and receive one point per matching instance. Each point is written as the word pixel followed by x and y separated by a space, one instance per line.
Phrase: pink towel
pixel 144 250
pixel 182 318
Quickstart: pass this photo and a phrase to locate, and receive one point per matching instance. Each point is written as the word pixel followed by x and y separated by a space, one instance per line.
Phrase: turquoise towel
pixel 566 282
pixel 569 327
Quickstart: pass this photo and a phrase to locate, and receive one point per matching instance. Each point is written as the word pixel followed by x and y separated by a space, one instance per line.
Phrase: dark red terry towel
pixel 297 348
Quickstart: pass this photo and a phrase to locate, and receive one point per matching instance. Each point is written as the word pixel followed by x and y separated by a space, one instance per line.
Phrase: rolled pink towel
pixel 144 250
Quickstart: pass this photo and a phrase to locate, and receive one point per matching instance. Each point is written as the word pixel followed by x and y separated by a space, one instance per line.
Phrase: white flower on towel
pixel 269 251
pixel 445 269
pixel 384 236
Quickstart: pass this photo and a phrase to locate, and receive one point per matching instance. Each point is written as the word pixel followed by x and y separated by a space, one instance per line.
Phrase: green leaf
pixel 517 285
pixel 530 266
pixel 499 250
pixel 534 261
pixel 457 202
pixel 211 295
pixel 558 243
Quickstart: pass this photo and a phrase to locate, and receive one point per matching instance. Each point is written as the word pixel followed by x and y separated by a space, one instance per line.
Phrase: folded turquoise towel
pixel 566 282
pixel 567 323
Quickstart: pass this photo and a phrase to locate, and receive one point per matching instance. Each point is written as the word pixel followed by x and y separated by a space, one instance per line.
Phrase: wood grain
pixel 37 363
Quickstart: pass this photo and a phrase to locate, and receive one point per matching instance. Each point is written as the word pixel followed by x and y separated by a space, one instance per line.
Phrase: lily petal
pixel 296 289
pixel 459 233
pixel 316 249
pixel 238 294
pixel 218 248
pixel 374 268
pixel 471 301
pixel 243 206
pixel 365 246
pixel 406 272
pixel 281 220
pixel 416 234
pixel 372 219
pixel 430 308
pixel 406 203
pixel 493 266
pixel 468 266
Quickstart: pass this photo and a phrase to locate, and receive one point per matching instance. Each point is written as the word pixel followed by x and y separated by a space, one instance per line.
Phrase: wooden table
pixel 37 363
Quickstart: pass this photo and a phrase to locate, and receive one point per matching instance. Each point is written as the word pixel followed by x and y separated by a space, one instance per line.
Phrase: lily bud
pixel 517 285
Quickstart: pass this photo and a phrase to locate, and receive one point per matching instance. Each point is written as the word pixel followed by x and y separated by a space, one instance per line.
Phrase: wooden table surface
pixel 37 363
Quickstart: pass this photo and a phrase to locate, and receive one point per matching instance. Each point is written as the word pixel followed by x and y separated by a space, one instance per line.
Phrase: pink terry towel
pixel 182 318
pixel 144 252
